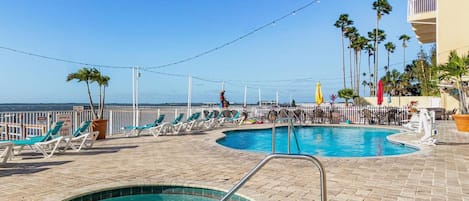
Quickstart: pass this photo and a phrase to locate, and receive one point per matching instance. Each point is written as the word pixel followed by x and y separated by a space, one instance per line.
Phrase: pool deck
pixel 438 172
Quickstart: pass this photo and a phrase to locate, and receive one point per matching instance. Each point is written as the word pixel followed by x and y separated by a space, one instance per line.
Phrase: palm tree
pixel 390 82
pixel 376 35
pixel 103 82
pixel 90 75
pixel 358 44
pixel 343 22
pixel 390 47
pixel 364 83
pixel 346 94
pixel 382 7
pixel 351 33
pixel 369 49
pixel 455 69
pixel 404 39
pixel 87 75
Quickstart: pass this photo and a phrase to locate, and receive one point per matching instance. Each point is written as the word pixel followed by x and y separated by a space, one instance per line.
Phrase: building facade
pixel 443 22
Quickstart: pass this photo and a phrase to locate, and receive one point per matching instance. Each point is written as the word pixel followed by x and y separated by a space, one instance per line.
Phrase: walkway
pixel 439 173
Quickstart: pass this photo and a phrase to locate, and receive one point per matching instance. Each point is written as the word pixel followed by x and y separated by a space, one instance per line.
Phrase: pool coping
pixel 393 138
pixel 120 187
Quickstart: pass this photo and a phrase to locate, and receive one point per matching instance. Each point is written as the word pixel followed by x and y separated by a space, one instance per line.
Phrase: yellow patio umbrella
pixel 319 97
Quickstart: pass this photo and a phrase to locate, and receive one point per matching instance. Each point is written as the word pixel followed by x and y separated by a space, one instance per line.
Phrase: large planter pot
pixel 100 126
pixel 462 122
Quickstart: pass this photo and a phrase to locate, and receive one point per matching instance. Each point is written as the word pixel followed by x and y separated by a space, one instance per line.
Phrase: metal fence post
pixel 111 131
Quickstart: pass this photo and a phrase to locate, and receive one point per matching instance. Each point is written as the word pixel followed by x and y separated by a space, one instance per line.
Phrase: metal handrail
pixel 269 157
pixel 287 156
pixel 291 127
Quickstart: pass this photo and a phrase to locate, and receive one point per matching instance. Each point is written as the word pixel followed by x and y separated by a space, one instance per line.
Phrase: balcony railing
pixel 415 7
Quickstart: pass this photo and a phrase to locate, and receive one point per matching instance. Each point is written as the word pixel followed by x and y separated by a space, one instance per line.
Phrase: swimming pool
pixel 155 193
pixel 330 141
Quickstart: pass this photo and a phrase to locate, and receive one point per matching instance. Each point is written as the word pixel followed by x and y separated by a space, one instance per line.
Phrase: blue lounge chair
pixel 167 127
pixel 79 137
pixel 190 122
pixel 43 143
pixel 196 122
pixel 213 122
pixel 7 151
pixel 139 129
pixel 237 119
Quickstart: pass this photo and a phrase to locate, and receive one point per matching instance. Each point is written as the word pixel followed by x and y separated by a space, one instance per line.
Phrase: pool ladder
pixel 273 155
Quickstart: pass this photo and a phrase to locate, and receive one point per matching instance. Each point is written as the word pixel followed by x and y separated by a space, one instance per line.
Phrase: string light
pixel 62 60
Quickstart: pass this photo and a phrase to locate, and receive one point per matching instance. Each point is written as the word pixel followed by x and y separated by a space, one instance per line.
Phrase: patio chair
pixel 318 116
pixel 299 115
pixel 194 123
pixel 392 116
pixel 166 127
pixel 236 119
pixel 272 115
pixel 206 121
pixel 43 144
pixel 449 114
pixel 213 122
pixel 128 130
pixel 366 116
pixel 79 137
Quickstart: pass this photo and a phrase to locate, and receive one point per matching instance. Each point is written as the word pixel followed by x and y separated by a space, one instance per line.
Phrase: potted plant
pixel 89 76
pixel 454 70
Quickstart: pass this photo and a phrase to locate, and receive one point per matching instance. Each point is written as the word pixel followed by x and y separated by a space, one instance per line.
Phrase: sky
pixel 287 57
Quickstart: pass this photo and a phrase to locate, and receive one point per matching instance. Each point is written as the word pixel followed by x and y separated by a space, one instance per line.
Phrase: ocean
pixel 29 107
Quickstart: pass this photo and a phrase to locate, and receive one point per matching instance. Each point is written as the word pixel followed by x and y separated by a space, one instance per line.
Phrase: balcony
pixel 422 15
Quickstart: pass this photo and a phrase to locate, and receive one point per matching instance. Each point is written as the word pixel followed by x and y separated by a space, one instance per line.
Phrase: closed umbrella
pixel 380 93
pixel 319 97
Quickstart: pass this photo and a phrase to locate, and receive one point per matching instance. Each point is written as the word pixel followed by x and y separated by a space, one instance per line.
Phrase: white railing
pixel 415 7
pixel 19 125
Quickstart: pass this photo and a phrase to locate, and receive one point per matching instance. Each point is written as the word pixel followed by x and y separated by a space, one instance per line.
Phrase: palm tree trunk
pixel 364 90
pixel 389 55
pixel 91 100
pixel 424 80
pixel 102 103
pixel 369 70
pixel 358 70
pixel 356 77
pixel 403 62
pixel 351 66
pixel 376 53
pixel 343 59
pixel 462 97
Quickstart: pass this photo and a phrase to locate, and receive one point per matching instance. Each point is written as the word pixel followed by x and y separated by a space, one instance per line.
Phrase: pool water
pixel 319 140
pixel 160 197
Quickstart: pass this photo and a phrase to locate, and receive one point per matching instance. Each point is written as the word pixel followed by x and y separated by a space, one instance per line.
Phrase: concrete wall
pixel 422 101
pixel 452 28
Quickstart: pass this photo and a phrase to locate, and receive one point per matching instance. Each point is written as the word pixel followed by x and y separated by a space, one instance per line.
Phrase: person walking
pixel 222 99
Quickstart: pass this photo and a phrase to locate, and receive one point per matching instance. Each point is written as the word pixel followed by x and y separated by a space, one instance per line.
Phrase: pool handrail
pixel 269 157
pixel 273 155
